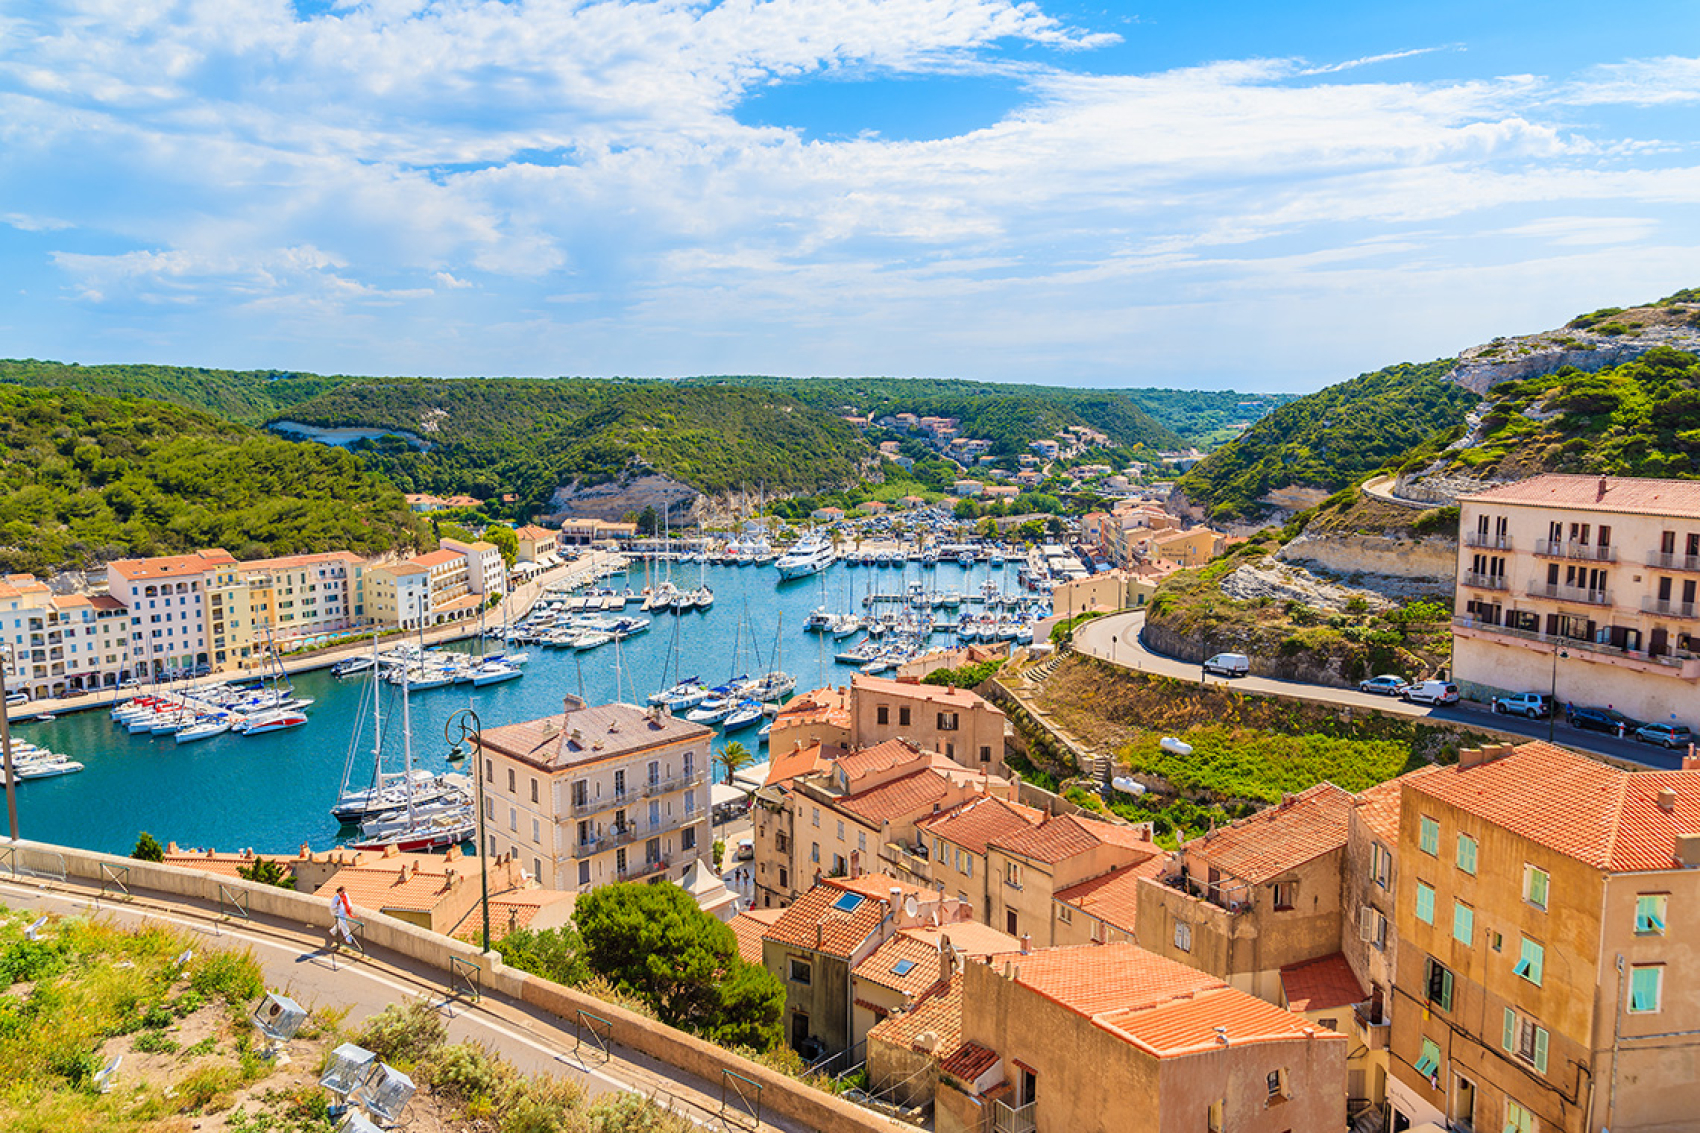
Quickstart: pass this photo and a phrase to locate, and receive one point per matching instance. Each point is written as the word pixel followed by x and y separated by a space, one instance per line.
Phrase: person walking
pixel 342 911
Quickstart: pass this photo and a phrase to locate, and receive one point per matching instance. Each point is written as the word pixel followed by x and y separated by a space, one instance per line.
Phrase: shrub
pixel 234 976
pixel 148 849
pixel 404 1032
pixel 466 1071
pixel 156 1042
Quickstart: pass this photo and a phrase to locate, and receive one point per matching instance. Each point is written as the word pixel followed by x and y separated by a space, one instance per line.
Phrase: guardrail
pixel 1667 607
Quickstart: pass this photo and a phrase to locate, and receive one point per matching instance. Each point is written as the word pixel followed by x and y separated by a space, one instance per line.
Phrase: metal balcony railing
pixel 1008 1118
pixel 1484 581
pixel 676 783
pixel 1675 659
pixel 1667 607
pixel 1556 549
pixel 1489 542
pixel 635 870
pixel 1562 593
pixel 1662 560
pixel 635 831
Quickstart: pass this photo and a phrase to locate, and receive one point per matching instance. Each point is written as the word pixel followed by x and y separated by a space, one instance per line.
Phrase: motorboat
pixel 818 621
pixel 204 729
pixel 418 835
pixel 494 672
pixel 810 556
pixel 278 721
pixel 742 716
pixel 712 710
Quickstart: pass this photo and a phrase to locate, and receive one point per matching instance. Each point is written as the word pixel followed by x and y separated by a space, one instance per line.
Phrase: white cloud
pixel 1670 80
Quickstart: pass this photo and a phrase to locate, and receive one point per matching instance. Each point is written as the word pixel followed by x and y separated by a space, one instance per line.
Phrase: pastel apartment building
pixel 1585 586
pixel 962 725
pixel 1548 914
pixel 265 603
pixel 59 644
pixel 596 795
pixel 166 597
pixel 536 544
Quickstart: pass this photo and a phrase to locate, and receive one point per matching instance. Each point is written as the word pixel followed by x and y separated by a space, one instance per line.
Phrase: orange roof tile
pixel 514 909
pixel 1060 837
pixel 1317 985
pixel 437 558
pixel 938 1013
pixel 969 938
pixel 1113 897
pixel 931 694
pixel 1622 494
pixel 1378 808
pixel 880 757
pixel 903 964
pixel 1590 811
pixel 813 922
pixel 1190 1026
pixel 787 765
pixel 1273 841
pixel 908 794
pixel 169 566
pixel 589 734
pixel 975 822
pixel 748 927
pixel 969 1061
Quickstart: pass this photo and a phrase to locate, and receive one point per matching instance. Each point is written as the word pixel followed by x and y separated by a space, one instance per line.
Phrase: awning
pixel 722 795
pixel 753 777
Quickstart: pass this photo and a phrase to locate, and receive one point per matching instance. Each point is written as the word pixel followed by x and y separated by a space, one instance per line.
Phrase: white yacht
pixel 811 556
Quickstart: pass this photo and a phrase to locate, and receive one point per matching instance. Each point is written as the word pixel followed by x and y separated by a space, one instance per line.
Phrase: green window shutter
pixel 1466 853
pixel 1541 1049
pixel 1509 1039
pixel 1446 990
pixel 1463 923
pixel 1425 903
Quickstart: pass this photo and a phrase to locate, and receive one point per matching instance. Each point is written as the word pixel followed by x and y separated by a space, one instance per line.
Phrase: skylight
pixel 848 903
pixel 903 967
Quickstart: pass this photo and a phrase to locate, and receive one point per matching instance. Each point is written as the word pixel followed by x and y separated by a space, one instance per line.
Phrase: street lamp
pixel 469 726
pixel 1552 697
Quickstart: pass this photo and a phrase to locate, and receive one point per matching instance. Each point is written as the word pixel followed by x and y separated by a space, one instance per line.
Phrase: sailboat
pixel 387 790
pixel 417 827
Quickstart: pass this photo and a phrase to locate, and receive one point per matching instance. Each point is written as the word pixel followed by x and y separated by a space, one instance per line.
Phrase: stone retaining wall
pixel 780 1094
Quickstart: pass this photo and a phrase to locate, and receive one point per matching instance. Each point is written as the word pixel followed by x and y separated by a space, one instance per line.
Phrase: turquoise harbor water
pixel 274 792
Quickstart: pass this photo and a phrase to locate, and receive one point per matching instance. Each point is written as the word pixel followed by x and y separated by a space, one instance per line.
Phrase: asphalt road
pixel 296 963
pixel 1118 638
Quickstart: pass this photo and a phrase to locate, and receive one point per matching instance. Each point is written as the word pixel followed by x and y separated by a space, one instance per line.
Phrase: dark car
pixel 1665 735
pixel 1608 720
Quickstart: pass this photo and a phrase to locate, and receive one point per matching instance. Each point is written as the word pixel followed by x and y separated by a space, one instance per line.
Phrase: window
pixel 1535 886
pixel 800 971
pixel 1183 936
pixel 1065 914
pixel 489 771
pixel 947 721
pixel 536 832
pixel 882 714
pixel 1646 988
pixel 1463 923
pixel 584 872
pixel 1425 903
pixel 513 819
pixel 1429 1064
pixel 1438 981
pixel 1650 911
pixel 1467 854
pixel 534 788
pixel 1523 1038
pixel 862 841
pixel 1531 962
pixel 688 838
pixel 1012 874
pixel 1518 1119
pixel 1213 1119
pixel 1286 894
pixel 841 830
pixel 814 852
pixel 816 817
pixel 1372 926
pixel 985 754
pixel 1276 1083
pixel 1429 838
pixel 510 780
pixel 1380 865
pixel 903 716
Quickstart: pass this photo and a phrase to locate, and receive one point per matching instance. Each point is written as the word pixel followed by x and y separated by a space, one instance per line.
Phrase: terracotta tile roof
pixel 287 561
pixel 1278 839
pixel 515 909
pixel 532 531
pixel 969 1061
pixel 903 964
pixel 878 886
pixel 390 886
pixel 937 1013
pixel 223 865
pixel 928 694
pixel 106 602
pixel 1061 837
pixel 1189 1026
pixel 589 734
pixel 787 765
pixel 748 927
pixel 1317 985
pixel 1113 897
pixel 1624 494
pixel 813 922
pixel 170 566
pixel 1608 818
pixel 829 705
pixel 1378 808
pixel 969 938
pixel 906 795
pixel 880 757
pixel 975 822
pixel 437 558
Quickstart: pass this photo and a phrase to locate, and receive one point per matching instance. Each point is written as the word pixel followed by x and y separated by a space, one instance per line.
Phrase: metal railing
pixel 1484 581
pixel 1008 1118
pixel 465 978
pixel 1667 607
pixel 635 870
pixel 740 1100
pixel 20 861
pixel 1561 593
pixel 1670 560
pixel 676 783
pixel 114 877
pixel 595 1032
pixel 1488 542
pixel 1559 549
pixel 1673 660
pixel 635 831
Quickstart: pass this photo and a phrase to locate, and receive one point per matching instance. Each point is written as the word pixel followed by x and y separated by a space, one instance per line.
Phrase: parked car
pixel 1530 704
pixel 1229 664
pixel 1665 735
pixel 746 850
pixel 1600 720
pixel 1432 692
pixel 1384 685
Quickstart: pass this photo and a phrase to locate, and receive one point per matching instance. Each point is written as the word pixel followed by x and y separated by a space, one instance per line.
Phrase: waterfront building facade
pixel 962 725
pixel 166 597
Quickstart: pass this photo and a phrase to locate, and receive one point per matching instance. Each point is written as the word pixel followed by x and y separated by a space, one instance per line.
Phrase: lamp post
pixel 6 659
pixel 1552 697
pixel 469 726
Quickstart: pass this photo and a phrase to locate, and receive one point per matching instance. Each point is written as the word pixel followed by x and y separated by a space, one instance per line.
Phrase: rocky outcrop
pixel 1313 669
pixel 1616 339
pixel 616 499
pixel 1280 583
pixel 1409 565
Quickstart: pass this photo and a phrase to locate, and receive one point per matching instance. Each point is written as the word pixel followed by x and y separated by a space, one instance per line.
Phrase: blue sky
pixel 1250 195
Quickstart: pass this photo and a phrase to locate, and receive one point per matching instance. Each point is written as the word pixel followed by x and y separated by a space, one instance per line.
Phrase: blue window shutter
pixel 1541 1049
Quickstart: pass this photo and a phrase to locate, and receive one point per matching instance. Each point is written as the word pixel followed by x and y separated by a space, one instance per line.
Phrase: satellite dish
pixel 910 905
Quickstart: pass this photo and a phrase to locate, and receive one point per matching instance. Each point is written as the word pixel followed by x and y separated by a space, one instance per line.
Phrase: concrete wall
pixel 781 1095
pixel 911 1075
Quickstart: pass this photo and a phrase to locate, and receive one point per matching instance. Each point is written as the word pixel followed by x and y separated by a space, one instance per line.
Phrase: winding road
pixel 1118 638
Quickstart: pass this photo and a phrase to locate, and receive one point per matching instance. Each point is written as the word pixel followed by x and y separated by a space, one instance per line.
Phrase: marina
pixel 274 790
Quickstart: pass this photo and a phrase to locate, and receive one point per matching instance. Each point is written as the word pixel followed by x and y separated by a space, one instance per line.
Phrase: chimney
pixel 1667 799
pixel 820 934
pixel 1026 943
pixel 1688 850
pixel 1600 494
pixel 1691 761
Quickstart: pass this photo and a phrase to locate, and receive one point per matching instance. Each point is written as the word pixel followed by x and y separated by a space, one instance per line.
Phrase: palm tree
pixel 732 758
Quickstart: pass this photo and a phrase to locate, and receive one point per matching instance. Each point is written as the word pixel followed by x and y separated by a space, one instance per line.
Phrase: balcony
pixel 582 807
pixel 1487 542
pixel 667 786
pixel 1008 1118
pixel 1660 560
pixel 1667 607
pixel 1554 549
pixel 1687 664
pixel 1484 581
pixel 637 870
pixel 615 837
pixel 1373 1029
pixel 1561 593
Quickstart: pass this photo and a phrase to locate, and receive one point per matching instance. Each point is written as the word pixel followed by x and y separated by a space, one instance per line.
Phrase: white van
pixel 1229 664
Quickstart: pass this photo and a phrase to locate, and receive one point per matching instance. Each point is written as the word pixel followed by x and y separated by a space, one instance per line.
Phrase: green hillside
pixel 247 396
pixel 529 436
pixel 1329 438
pixel 1641 418
pixel 88 479
pixel 1206 418
pixel 1010 416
